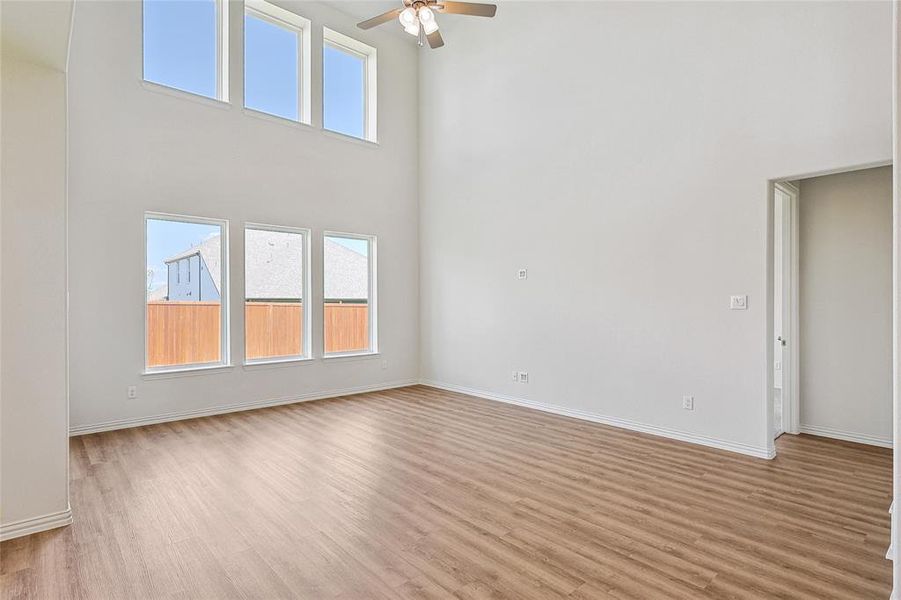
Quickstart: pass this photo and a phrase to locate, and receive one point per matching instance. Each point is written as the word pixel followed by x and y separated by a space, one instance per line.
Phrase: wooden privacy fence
pixel 188 332
pixel 346 327
pixel 272 329
pixel 181 333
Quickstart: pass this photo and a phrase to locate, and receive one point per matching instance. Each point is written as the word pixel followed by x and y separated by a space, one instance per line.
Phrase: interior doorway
pixel 830 331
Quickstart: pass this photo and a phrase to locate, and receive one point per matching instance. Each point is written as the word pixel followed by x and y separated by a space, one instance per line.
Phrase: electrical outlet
pixel 385 364
pixel 515 376
pixel 523 377
pixel 132 392
pixel 688 402
pixel 522 274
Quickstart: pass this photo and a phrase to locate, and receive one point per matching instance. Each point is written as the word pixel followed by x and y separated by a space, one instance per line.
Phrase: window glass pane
pixel 346 279
pixel 183 293
pixel 271 67
pixel 273 292
pixel 180 44
pixel 343 91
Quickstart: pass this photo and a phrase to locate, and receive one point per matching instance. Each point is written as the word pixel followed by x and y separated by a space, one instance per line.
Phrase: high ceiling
pixel 37 31
pixel 363 9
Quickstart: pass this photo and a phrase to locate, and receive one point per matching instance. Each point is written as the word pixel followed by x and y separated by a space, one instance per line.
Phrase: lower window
pixel 186 292
pixel 349 319
pixel 276 324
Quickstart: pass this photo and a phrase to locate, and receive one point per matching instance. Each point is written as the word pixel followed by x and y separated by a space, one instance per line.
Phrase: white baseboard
pixel 76 430
pixel 848 436
pixel 16 529
pixel 755 451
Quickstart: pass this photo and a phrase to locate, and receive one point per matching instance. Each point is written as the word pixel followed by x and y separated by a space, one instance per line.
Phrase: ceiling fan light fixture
pixel 427 18
pixel 420 21
pixel 407 17
pixel 430 27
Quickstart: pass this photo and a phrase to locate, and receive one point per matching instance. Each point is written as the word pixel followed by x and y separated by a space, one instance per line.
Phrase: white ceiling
pixel 364 9
pixel 38 31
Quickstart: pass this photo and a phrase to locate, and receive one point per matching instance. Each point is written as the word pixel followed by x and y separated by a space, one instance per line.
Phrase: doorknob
pixel 781 340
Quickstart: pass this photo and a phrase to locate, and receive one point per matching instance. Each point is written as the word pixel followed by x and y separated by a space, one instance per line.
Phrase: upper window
pixel 186 294
pixel 276 276
pixel 185 45
pixel 349 316
pixel 348 86
pixel 276 61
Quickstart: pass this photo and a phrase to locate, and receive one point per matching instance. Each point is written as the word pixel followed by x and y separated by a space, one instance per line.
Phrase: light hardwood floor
pixel 420 493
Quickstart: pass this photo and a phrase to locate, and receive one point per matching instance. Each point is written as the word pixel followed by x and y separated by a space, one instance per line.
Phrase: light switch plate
pixel 738 302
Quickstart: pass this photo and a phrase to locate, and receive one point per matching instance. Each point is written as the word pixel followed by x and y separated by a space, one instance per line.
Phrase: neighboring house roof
pixel 160 293
pixel 274 266
pixel 346 273
pixel 211 253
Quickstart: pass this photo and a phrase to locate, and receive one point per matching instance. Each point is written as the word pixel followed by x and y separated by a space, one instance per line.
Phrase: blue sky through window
pixel 180 44
pixel 343 102
pixel 357 245
pixel 270 68
pixel 168 238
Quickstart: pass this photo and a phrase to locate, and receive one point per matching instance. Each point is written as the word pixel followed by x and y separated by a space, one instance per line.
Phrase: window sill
pixel 166 90
pixel 350 138
pixel 167 373
pixel 350 356
pixel 276 363
pixel 258 114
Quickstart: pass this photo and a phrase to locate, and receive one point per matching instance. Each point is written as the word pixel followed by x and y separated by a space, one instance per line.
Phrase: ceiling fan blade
pixel 466 8
pixel 382 18
pixel 435 39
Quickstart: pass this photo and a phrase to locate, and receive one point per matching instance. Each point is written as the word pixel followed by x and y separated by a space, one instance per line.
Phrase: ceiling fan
pixel 418 17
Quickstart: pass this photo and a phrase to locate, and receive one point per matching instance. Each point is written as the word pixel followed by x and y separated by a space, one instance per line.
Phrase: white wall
pixel 134 149
pixel 621 152
pixel 846 305
pixel 34 449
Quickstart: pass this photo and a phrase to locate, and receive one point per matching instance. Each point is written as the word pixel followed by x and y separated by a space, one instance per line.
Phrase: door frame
pixel 791 363
pixel 769 290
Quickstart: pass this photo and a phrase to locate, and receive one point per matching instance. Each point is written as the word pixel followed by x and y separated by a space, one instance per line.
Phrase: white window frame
pixel 307 322
pixel 372 300
pixel 221 56
pixel 224 337
pixel 344 43
pixel 286 19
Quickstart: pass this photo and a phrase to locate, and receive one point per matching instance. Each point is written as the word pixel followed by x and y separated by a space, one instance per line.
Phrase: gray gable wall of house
pixel 210 251
pixel 190 280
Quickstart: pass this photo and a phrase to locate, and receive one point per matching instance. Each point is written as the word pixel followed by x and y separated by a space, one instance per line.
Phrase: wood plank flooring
pixel 420 493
